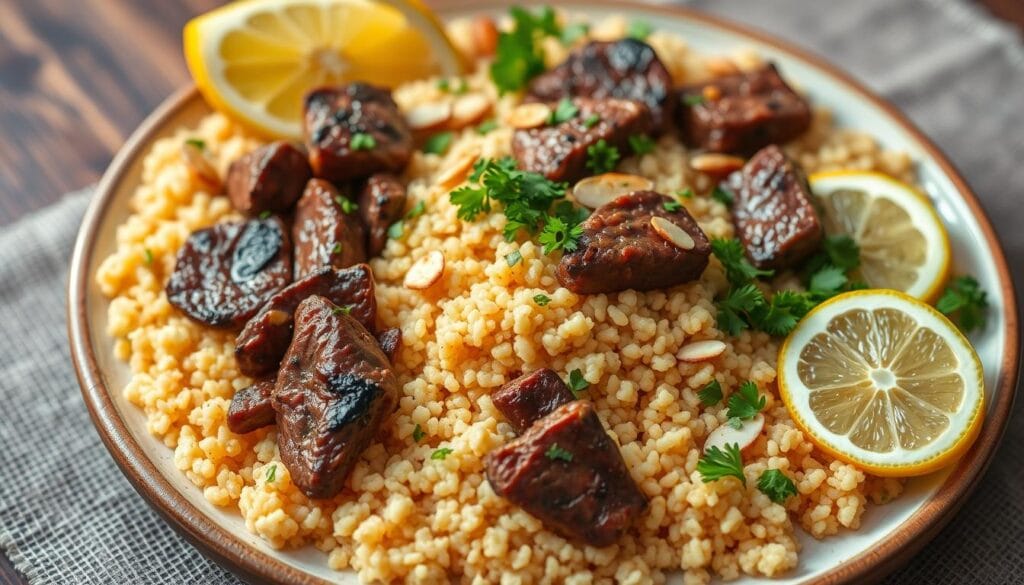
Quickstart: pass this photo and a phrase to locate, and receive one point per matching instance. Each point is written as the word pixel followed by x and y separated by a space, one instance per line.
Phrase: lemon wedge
pixel 255 60
pixel 884 381
pixel 903 244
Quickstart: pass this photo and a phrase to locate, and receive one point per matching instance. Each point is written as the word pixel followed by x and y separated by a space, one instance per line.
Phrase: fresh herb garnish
pixel 718 463
pixel 518 57
pixel 641 144
pixel 513 257
pixel 486 126
pixel 694 99
pixel 342 310
pixel 738 270
pixel 573 32
pixel 443 84
pixel 396 230
pixel 272 473
pixel 555 452
pixel 776 485
pixel 591 121
pixel 601 157
pixel 722 196
pixel 541 299
pixel 639 29
pixel 336 249
pixel 710 394
pixel 148 255
pixel 560 235
pixel 417 210
pixel 671 206
pixel 362 141
pixel 347 205
pixel 577 383
pixel 417 433
pixel 438 143
pixel 265 214
pixel 563 112
pixel 196 142
pixel 441 453
pixel 745 403
pixel 734 309
pixel 965 302
pixel 842 251
pixel 686 193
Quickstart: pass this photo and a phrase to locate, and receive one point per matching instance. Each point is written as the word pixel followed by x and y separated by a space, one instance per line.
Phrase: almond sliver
pixel 425 271
pixel 700 351
pixel 672 233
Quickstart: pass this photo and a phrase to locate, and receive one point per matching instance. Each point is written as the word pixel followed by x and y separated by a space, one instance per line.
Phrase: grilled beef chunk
pixel 324 234
pixel 381 203
pixel 251 407
pixel 390 341
pixel 626 69
pixel 265 338
pixel 270 178
pixel 566 471
pixel 223 274
pixel 743 112
pixel 355 130
pixel 334 390
pixel 531 396
pixel 559 152
pixel 773 210
pixel 620 249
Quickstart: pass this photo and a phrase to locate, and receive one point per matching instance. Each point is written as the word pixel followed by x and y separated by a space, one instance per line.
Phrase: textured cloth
pixel 67 515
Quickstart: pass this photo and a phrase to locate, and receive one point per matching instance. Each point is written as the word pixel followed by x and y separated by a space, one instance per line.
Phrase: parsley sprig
pixel 602 157
pixel 711 394
pixel 718 463
pixel 776 485
pixel 555 453
pixel 518 57
pixel 965 302
pixel 744 404
pixel 577 383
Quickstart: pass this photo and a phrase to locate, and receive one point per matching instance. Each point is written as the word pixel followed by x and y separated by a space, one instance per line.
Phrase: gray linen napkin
pixel 68 516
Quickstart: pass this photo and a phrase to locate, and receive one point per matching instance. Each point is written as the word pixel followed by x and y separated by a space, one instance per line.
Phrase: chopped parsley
pixel 718 463
pixel 965 302
pixel 336 249
pixel 641 144
pixel 486 126
pixel 686 193
pixel 555 452
pixel 574 32
pixel 745 403
pixel 148 255
pixel 363 141
pixel 710 394
pixel 518 58
pixel 196 142
pixel 440 454
pixel 601 157
pixel 443 84
pixel 842 251
pixel 560 235
pixel 694 99
pixel 418 434
pixel 417 210
pixel 541 299
pixel 577 383
pixel 591 121
pixel 342 310
pixel 563 112
pixel 672 206
pixel 722 196
pixel 639 29
pixel 438 143
pixel 265 214
pixel 738 270
pixel 776 485
pixel 396 230
pixel 272 473
pixel 347 205
pixel 513 257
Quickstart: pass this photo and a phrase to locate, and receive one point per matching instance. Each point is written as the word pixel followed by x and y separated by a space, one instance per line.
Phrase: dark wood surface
pixel 76 77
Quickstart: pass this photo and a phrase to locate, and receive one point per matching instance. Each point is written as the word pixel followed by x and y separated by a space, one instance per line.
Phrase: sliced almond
pixel 469 109
pixel 700 351
pixel 457 171
pixel 425 271
pixel 429 116
pixel 743 437
pixel 201 167
pixel 593 192
pixel 672 233
pixel 715 164
pixel 485 36
pixel 526 116
pixel 721 66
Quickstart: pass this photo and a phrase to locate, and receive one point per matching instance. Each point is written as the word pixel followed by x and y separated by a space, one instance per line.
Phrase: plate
pixel 888 536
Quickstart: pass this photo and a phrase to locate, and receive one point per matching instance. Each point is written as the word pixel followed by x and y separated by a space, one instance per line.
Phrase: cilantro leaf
pixel 672 206
pixel 718 463
pixel 601 157
pixel 438 143
pixel 722 196
pixel 738 269
pixel 265 214
pixel 471 201
pixel 417 210
pixel 559 235
pixel 541 299
pixel 686 193
pixel 828 280
pixel 362 141
pixel 776 485
pixel 518 57
pixel 347 205
pixel 577 383
pixel 563 112
pixel 639 29
pixel 842 251
pixel 336 249
pixel 272 473
pixel 781 314
pixel 737 304
pixel 196 142
pixel 440 454
pixel 641 144
pixel 965 302
pixel 745 402
pixel 693 99
pixel 555 452
pixel 486 126
pixel 342 310
pixel 711 394
pixel 417 433
pixel 591 121
pixel 573 32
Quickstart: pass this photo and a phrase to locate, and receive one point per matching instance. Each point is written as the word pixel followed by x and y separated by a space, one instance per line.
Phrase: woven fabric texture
pixel 67 515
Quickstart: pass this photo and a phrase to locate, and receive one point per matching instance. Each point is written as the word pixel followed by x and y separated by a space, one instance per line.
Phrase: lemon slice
pixel 884 381
pixel 255 60
pixel 903 245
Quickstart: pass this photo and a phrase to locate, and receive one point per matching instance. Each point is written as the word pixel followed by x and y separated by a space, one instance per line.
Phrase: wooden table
pixel 77 77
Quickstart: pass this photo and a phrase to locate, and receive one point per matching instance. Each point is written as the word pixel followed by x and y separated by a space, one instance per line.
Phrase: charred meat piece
pixel 225 273
pixel 566 471
pixel 531 396
pixel 265 338
pixel 334 390
pixel 773 210
pixel 620 248
pixel 626 69
pixel 270 178
pixel 743 112
pixel 251 407
pixel 559 152
pixel 326 231
pixel 381 203
pixel 390 341
pixel 355 130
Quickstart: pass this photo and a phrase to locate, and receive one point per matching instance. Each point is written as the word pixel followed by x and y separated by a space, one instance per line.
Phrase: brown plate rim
pixel 255 566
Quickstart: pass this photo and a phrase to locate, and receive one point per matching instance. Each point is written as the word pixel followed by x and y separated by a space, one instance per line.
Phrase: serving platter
pixel 889 535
